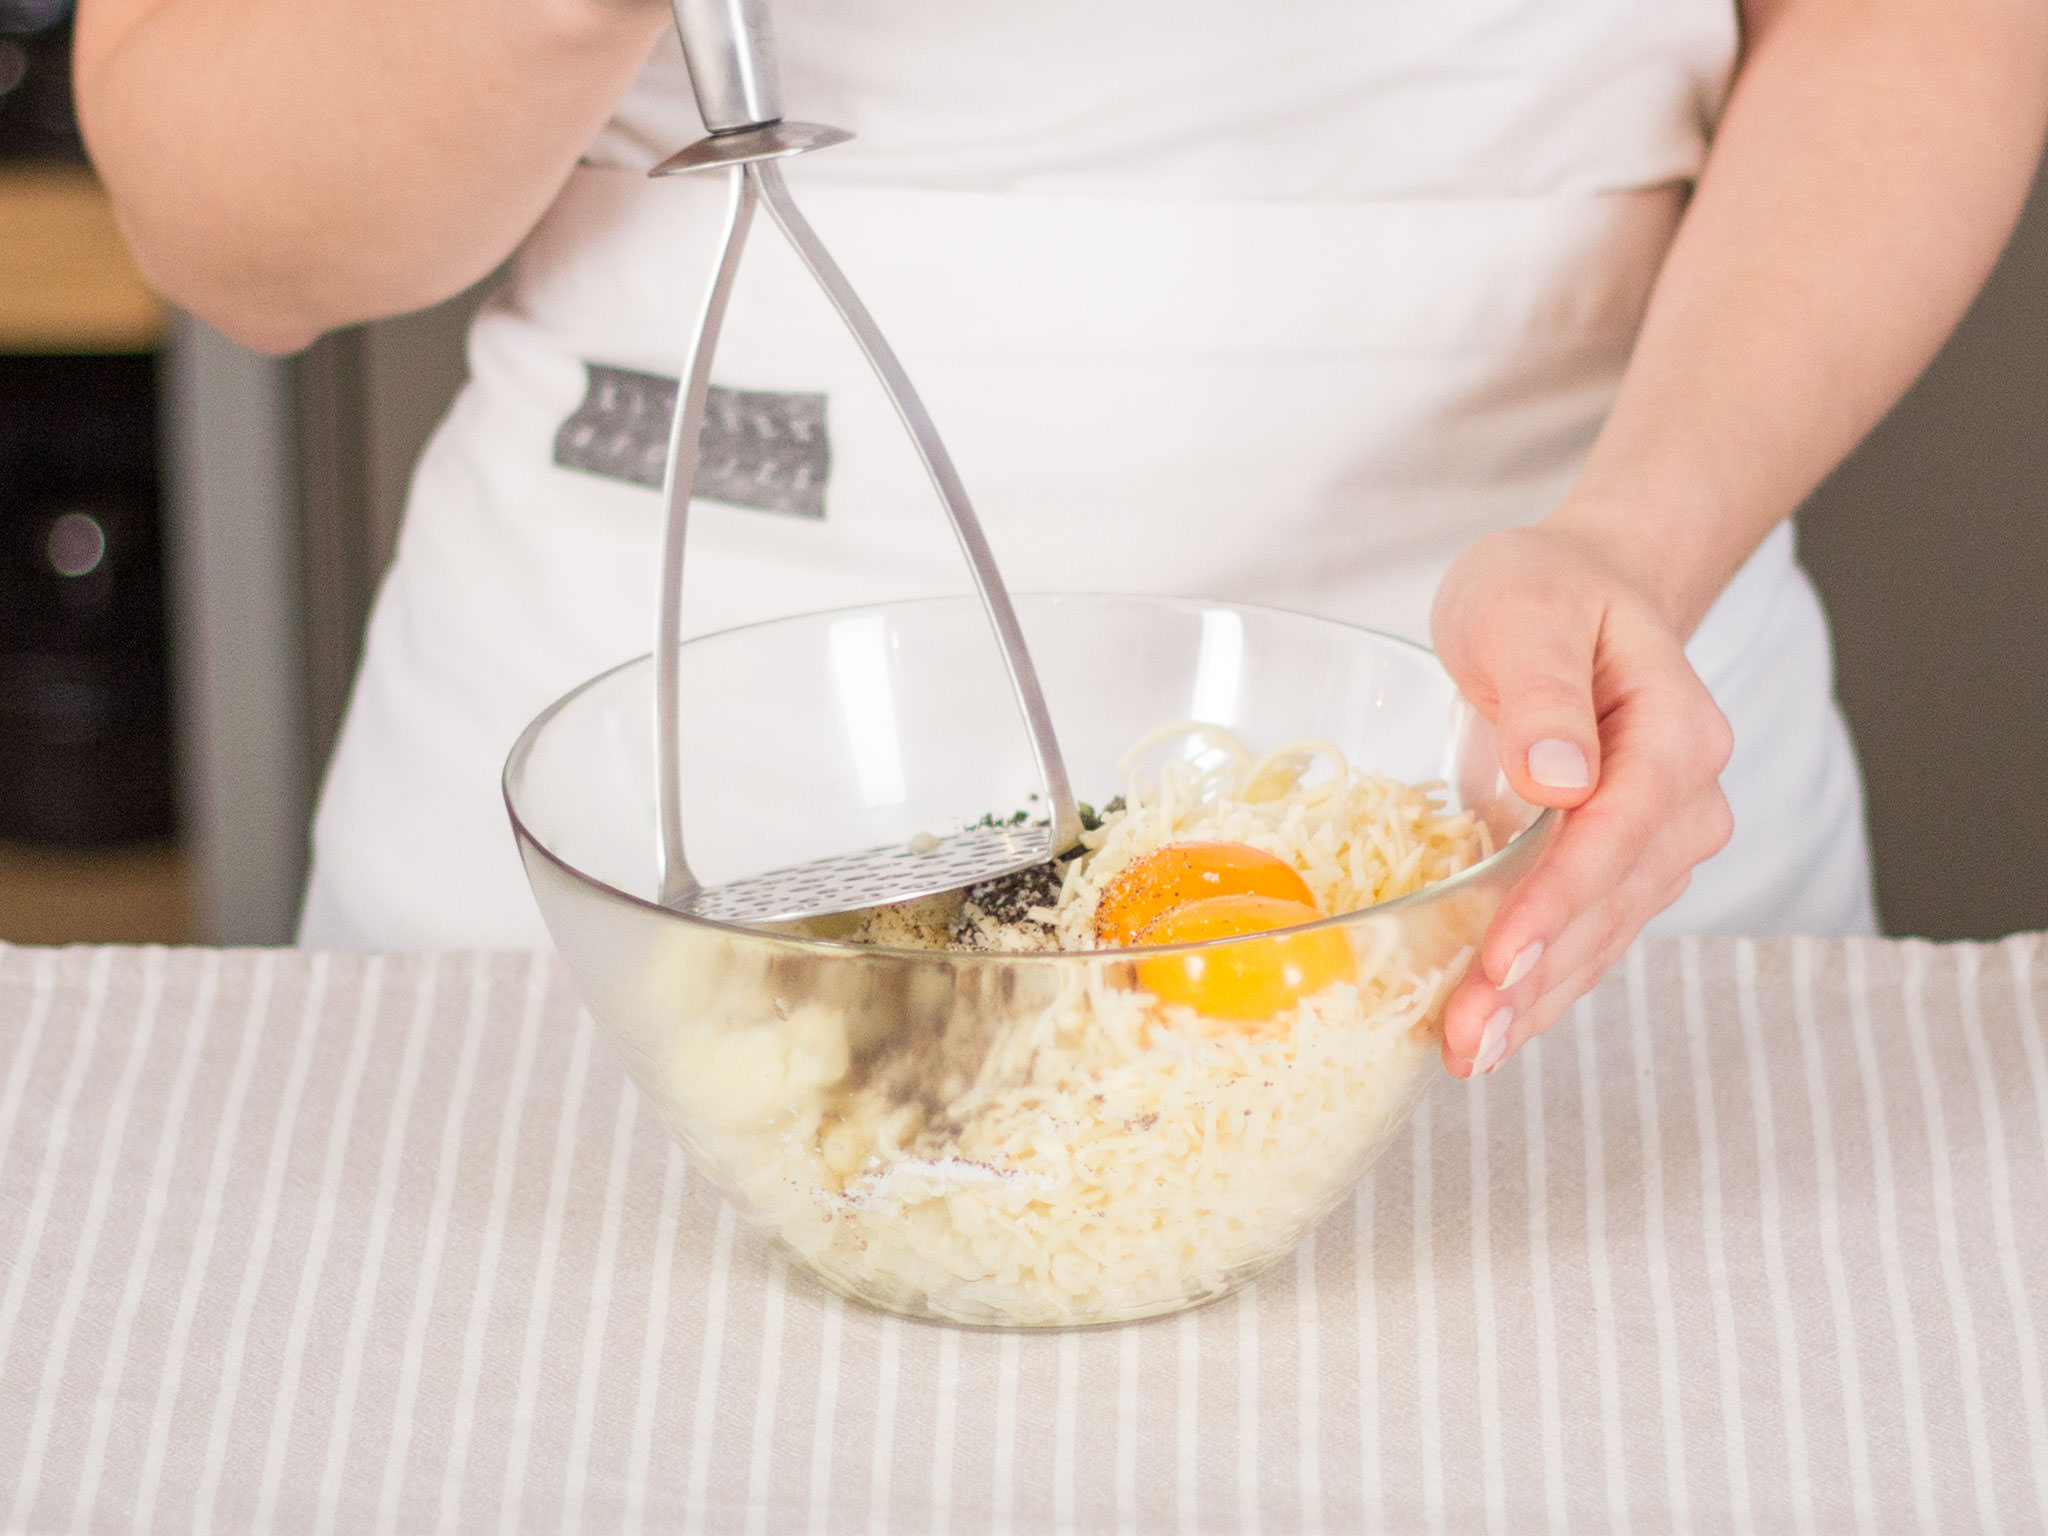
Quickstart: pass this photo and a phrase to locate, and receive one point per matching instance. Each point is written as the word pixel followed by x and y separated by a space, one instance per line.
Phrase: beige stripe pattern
pixel 1758 1240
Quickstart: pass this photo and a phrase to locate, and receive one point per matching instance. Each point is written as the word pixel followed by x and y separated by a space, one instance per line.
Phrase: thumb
pixel 1548 731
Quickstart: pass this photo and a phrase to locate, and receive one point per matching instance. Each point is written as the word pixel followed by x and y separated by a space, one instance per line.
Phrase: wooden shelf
pixel 119 896
pixel 67 283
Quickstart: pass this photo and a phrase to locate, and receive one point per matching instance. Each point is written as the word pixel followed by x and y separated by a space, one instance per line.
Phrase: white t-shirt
pixel 1300 101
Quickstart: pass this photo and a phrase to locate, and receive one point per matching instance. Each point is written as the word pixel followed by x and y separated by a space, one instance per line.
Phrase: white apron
pixel 1181 338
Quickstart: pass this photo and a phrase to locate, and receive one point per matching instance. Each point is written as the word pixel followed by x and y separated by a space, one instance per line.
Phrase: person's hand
pixel 1599 714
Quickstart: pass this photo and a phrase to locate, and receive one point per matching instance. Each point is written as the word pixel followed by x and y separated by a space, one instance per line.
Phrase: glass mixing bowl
pixel 999 1139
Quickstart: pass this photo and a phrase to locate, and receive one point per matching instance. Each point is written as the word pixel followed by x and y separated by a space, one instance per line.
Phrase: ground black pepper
pixel 1008 899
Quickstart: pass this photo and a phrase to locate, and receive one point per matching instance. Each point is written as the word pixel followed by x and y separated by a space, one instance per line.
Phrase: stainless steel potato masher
pixel 731 57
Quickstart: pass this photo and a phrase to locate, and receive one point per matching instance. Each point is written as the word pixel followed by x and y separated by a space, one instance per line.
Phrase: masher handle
pixel 686 430
pixel 730 50
pixel 938 463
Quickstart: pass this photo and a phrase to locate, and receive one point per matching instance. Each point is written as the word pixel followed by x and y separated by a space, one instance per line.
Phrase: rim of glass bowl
pixel 1471 873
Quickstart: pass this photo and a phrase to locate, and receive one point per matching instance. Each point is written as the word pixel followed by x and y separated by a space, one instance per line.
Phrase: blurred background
pixel 190 536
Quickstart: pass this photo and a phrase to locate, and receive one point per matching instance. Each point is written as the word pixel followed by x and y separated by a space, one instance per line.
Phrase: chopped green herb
pixel 1091 819
pixel 990 821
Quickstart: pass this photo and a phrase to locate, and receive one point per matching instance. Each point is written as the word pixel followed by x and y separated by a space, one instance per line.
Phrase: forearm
pixel 285 166
pixel 1868 169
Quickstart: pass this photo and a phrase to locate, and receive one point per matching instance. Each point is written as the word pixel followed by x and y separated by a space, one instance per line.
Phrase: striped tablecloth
pixel 322 1243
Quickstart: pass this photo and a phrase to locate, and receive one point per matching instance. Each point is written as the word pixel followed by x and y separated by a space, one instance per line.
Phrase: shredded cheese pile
pixel 1060 1147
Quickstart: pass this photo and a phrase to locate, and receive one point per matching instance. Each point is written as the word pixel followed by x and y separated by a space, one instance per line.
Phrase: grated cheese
pixel 1093 1154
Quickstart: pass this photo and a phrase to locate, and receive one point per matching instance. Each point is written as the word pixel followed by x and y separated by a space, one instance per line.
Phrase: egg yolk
pixel 1180 873
pixel 1252 980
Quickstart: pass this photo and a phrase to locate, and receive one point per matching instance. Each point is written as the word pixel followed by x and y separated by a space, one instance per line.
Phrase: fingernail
pixel 1558 764
pixel 1493 1044
pixel 1523 964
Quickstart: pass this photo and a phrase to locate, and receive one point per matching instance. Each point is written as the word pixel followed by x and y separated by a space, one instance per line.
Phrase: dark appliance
pixel 36 117
pixel 85 753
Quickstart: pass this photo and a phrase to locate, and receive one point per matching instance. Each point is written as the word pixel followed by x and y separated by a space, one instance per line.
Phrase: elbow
pixel 261 328
pixel 271 334
pixel 258 327
pixel 274 290
pixel 237 302
pixel 197 250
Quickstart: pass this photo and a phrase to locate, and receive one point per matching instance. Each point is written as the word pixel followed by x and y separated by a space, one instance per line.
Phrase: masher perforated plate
pixel 873 877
